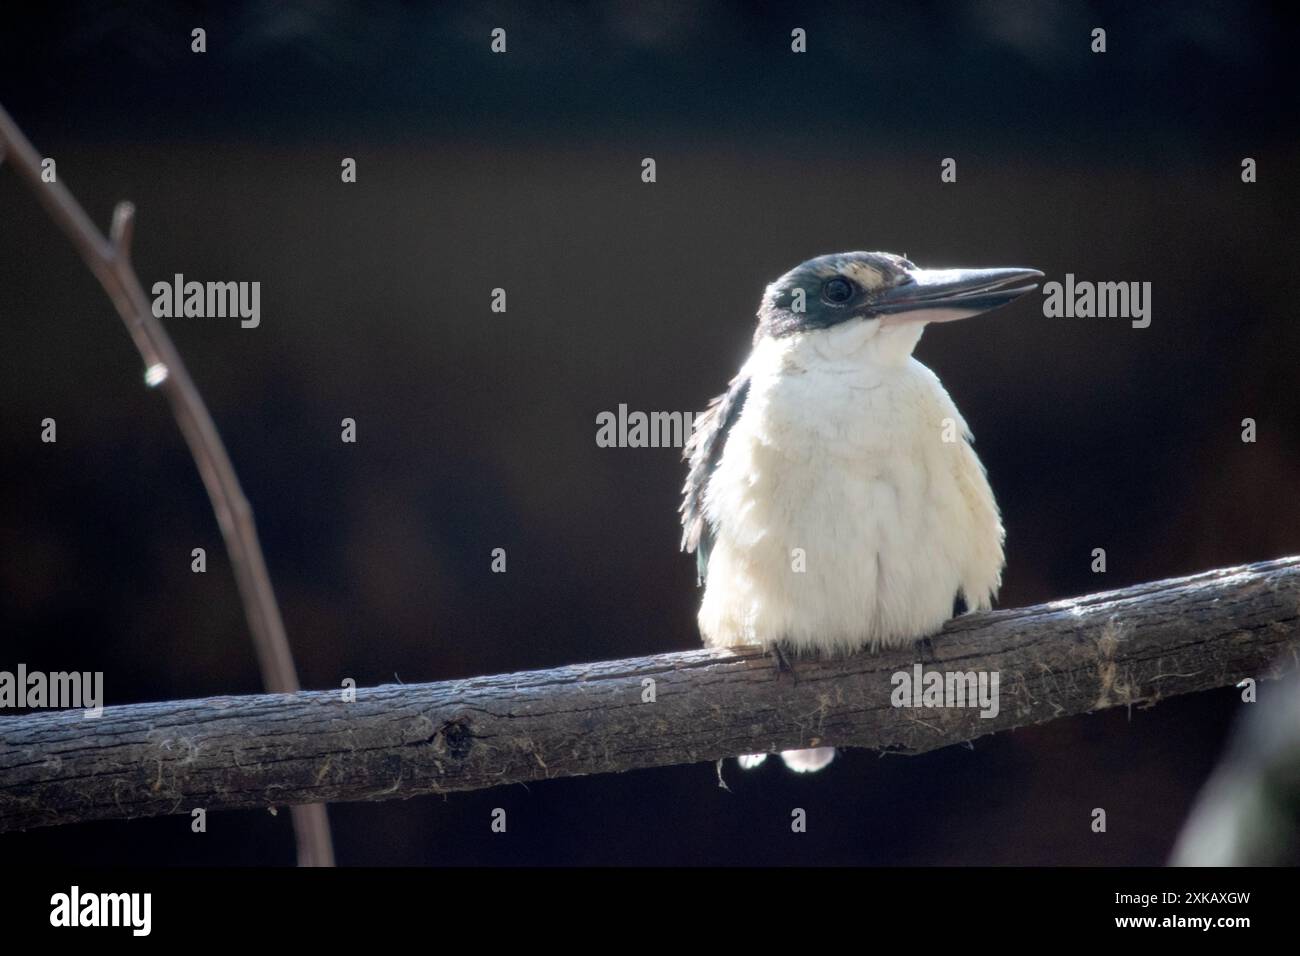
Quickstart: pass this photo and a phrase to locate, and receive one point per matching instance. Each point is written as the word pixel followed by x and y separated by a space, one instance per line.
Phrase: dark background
pixel 477 430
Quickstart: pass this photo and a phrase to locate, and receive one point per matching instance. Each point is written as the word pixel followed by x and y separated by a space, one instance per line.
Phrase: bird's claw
pixel 783 665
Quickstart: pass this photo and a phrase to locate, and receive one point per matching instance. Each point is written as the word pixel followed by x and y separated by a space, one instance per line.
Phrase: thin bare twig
pixel 109 260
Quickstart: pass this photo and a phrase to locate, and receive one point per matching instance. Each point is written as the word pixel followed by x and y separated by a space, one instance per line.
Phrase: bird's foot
pixel 925 648
pixel 783 665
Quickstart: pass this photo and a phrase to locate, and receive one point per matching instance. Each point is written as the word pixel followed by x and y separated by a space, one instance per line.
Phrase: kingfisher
pixel 834 501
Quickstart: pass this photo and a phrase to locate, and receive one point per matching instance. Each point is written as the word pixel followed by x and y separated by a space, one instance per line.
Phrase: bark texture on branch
pixel 1136 645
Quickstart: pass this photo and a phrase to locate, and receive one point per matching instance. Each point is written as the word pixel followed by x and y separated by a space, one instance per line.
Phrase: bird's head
pixel 882 294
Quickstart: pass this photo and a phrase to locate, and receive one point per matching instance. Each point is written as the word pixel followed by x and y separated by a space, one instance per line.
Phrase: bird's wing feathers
pixel 704 451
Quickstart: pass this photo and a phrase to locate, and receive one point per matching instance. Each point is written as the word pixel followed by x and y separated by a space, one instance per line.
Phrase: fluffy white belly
pixel 843 518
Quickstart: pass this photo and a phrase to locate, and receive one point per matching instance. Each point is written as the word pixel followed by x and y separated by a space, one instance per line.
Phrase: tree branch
pixel 109 260
pixel 1136 645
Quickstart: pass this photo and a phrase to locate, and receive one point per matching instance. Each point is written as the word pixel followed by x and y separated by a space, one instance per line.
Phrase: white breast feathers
pixel 848 507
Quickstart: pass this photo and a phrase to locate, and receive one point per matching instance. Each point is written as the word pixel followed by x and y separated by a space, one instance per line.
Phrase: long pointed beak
pixel 941 295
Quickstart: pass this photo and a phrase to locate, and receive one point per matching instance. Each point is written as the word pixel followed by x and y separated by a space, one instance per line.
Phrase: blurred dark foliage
pixel 477 430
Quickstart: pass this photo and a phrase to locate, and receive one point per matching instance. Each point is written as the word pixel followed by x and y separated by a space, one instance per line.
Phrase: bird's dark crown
pixel 828 290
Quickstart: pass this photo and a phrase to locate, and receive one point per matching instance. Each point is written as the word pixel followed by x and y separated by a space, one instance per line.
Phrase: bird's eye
pixel 837 290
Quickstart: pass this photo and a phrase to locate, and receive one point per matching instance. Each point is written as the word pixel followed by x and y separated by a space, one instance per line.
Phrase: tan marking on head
pixel 864 274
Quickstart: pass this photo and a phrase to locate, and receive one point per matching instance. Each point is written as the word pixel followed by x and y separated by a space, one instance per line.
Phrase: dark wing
pixel 704 451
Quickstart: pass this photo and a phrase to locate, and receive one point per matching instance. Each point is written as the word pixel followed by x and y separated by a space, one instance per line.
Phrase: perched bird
pixel 833 501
